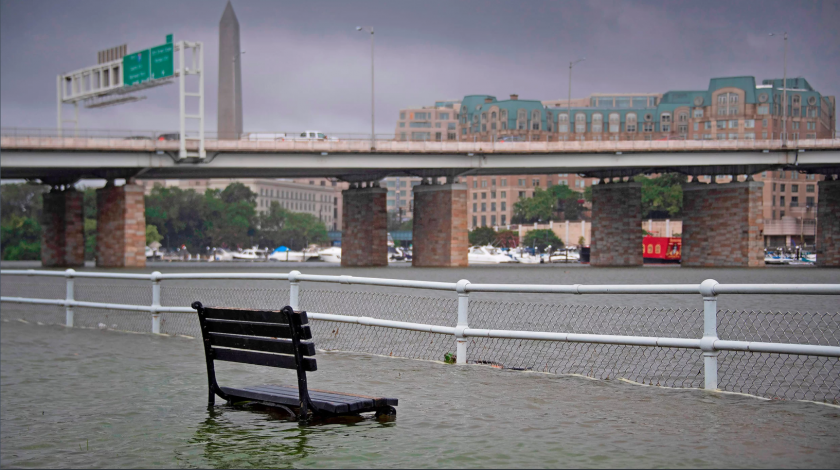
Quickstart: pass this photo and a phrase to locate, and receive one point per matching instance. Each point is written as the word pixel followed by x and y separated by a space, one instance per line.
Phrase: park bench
pixel 274 339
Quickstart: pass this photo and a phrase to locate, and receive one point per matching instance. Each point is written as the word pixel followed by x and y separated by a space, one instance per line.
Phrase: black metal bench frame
pixel 234 334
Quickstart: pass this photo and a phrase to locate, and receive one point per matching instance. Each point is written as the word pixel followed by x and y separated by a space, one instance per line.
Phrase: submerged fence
pixel 790 355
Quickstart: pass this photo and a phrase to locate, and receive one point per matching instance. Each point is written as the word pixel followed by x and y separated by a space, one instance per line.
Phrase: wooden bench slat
pixel 280 346
pixel 262 359
pixel 270 330
pixel 252 315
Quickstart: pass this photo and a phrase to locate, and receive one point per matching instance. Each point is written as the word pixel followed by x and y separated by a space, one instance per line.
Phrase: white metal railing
pixel 710 344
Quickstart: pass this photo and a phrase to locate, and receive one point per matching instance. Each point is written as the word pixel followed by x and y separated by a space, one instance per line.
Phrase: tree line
pixel 176 217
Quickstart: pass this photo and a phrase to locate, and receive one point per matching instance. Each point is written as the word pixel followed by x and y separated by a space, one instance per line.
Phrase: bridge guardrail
pixel 124 141
pixel 788 355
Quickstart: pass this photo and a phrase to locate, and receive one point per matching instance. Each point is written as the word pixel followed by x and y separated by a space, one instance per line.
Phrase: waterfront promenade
pixel 55 413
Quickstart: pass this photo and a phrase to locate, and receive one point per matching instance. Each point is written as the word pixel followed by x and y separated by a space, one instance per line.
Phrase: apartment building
pixel 429 123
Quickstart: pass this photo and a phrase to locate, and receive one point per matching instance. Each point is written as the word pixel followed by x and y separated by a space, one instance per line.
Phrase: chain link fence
pixel 778 376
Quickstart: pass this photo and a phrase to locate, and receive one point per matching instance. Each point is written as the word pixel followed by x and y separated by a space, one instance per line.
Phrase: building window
pixel 809 188
pixel 504 207
pixel 483 183
pixel 794 201
pixel 763 109
pixel 483 195
pixel 683 117
pixel 682 129
pixel 475 221
pixel 492 207
pixel 630 122
pixel 521 182
pixel 483 207
pixel 665 118
pixel 504 217
pixel 580 123
pixel 475 196
pixel 809 201
pixel 597 123
pixel 535 182
pixel 483 220
pixel 666 127
pixel 648 127
pixel 721 137
pixel 749 123
pixel 615 122
pixel 698 113
pixel 563 123
pixel 794 188
pixel 733 136
pixel 475 207
pixel 475 183
pixel 492 194
pixel 696 126
pixel 749 136
pixel 521 194
pixel 492 220
pixel 504 183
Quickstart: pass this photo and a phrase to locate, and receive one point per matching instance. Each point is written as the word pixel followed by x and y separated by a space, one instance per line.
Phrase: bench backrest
pixel 259 337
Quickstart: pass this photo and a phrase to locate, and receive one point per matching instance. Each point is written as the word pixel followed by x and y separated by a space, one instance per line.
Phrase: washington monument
pixel 230 77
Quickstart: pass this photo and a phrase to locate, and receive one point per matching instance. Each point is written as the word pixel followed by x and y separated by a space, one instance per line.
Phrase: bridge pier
pixel 723 224
pixel 616 225
pixel 364 227
pixel 120 226
pixel 62 229
pixel 828 224
pixel 440 225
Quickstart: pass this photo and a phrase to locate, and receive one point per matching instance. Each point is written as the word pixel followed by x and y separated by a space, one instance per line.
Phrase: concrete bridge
pixel 440 223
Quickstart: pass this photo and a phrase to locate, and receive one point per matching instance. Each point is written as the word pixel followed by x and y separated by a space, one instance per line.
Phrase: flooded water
pixel 88 398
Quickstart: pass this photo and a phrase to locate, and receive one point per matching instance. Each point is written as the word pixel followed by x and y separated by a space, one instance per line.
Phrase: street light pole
pixel 234 91
pixel 784 90
pixel 569 102
pixel 372 131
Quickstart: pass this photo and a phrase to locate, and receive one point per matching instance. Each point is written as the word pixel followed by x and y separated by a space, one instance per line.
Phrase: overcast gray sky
pixel 307 67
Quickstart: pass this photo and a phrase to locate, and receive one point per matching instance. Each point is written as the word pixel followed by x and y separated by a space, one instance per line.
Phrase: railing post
pixel 463 321
pixel 707 343
pixel 155 302
pixel 70 297
pixel 294 290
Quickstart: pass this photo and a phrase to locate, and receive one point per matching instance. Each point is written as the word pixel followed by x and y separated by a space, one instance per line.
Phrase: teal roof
pixel 744 83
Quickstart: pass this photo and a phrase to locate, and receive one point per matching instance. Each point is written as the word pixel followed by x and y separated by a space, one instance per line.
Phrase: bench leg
pixel 211 399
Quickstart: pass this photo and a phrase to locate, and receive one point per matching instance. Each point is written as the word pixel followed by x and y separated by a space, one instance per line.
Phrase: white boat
pixel 248 255
pixel 487 255
pixel 396 255
pixel 522 256
pixel 220 254
pixel 564 255
pixel 290 255
pixel 770 258
pixel 331 255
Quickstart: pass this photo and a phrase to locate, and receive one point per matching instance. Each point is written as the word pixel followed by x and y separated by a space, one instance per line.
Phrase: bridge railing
pixel 793 355
pixel 126 140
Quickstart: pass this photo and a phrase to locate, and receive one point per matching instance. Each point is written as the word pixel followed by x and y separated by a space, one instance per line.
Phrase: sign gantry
pixel 120 75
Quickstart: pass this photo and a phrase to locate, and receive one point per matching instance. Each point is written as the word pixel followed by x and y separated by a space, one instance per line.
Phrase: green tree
pixel 90 239
pixel 542 238
pixel 20 238
pixel 662 195
pixel 229 217
pixel 280 227
pixel 180 216
pixel 545 204
pixel 21 207
pixel 482 236
pixel 152 234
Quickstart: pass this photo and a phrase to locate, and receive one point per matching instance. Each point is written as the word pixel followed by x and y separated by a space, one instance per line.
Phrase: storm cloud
pixel 306 66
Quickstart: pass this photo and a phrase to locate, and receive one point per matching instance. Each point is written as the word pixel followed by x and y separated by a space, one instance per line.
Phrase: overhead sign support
pixel 117 80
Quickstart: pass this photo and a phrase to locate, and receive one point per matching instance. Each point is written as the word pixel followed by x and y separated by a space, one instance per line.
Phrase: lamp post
pixel 569 102
pixel 784 89
pixel 234 91
pixel 372 134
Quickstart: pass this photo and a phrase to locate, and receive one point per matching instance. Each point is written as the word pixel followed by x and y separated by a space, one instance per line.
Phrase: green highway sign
pixel 149 64
pixel 136 68
pixel 162 63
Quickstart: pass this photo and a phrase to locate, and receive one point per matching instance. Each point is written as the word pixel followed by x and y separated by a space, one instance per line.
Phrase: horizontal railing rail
pixel 710 344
